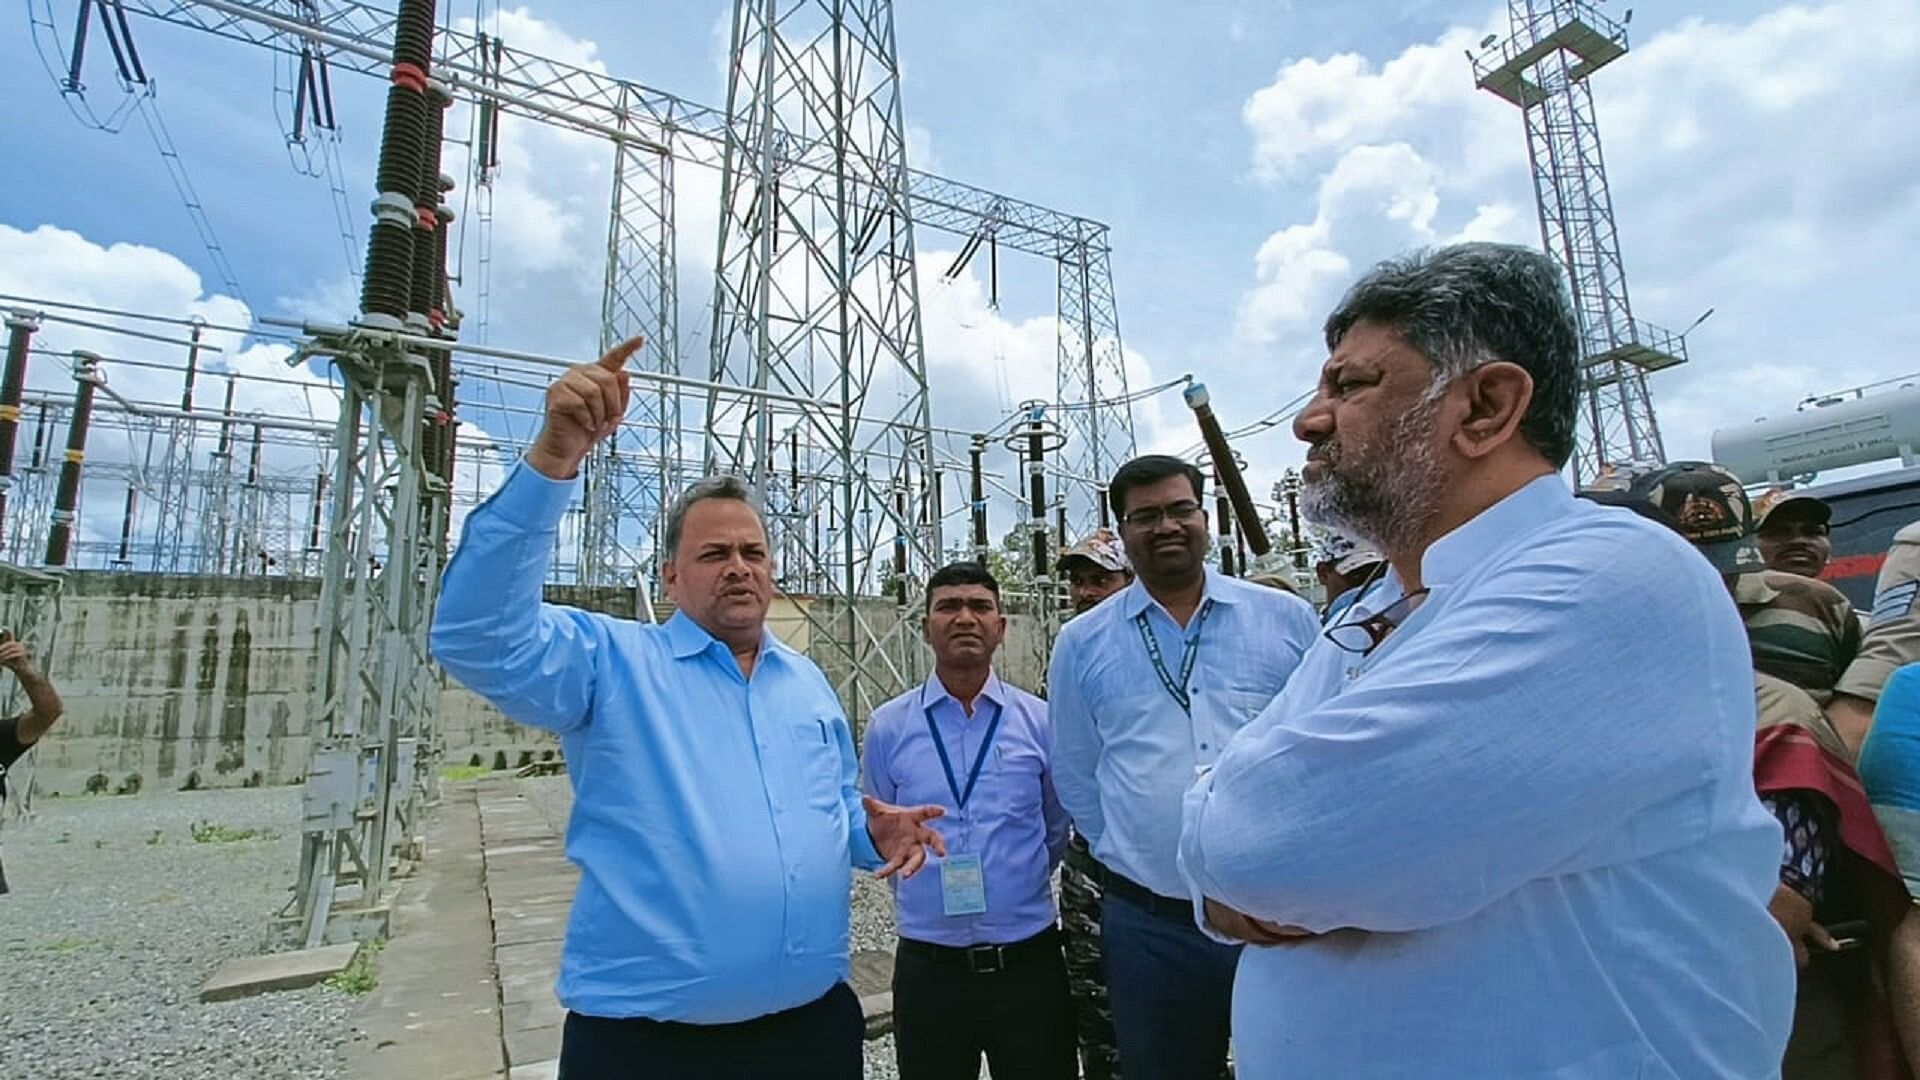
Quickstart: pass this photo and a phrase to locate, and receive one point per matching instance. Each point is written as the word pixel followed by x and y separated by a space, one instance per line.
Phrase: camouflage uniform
pixel 1086 966
pixel 1803 631
pixel 1893 632
pixel 1080 885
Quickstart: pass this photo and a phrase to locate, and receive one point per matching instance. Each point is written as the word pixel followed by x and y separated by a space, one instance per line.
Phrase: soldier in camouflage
pixel 1838 867
pixel 1095 568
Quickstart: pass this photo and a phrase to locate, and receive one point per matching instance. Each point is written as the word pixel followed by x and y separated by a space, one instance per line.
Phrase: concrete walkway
pixel 466 985
pixel 530 886
pixel 435 1014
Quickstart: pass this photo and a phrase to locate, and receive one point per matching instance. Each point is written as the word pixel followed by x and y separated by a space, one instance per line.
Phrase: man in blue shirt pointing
pixel 715 808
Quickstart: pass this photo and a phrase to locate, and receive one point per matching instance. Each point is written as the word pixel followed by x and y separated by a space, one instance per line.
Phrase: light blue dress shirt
pixel 1525 824
pixel 1012 820
pixel 1124 750
pixel 715 817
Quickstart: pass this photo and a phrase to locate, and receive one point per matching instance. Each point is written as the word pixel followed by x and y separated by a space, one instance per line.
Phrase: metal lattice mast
pixel 817 296
pixel 1554 46
pixel 1091 380
pixel 374 706
pixel 171 551
pixel 628 476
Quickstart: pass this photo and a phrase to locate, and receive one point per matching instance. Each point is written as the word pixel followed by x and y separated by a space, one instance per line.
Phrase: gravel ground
pixel 117 916
pixel 872 905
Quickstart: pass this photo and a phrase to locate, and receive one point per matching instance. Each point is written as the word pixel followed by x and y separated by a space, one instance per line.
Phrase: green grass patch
pixel 67 945
pixel 207 832
pixel 463 772
pixel 359 976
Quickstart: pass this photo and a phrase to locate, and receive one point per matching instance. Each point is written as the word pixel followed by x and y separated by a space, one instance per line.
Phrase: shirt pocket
pixel 816 764
pixel 1009 789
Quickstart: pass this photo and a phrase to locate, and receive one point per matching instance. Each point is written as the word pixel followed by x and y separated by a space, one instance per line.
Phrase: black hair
pixel 1151 469
pixel 1470 304
pixel 965 572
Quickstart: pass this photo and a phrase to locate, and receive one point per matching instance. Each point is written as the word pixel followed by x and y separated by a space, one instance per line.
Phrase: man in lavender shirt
pixel 979 969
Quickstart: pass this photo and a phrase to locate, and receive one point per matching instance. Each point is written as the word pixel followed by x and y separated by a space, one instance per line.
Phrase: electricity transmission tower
pixel 1553 48
pixel 817 293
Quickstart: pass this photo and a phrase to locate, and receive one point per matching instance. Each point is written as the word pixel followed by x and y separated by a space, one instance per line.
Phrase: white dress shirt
pixel 1525 825
pixel 1125 750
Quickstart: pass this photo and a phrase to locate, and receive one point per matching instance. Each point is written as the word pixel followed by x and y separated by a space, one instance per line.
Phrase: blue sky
pixel 1251 158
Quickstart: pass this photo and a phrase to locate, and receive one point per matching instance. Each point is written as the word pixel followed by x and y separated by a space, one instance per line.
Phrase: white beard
pixel 1388 499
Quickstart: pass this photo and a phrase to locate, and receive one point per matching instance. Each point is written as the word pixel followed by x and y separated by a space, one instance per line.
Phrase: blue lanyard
pixel 1176 689
pixel 960 796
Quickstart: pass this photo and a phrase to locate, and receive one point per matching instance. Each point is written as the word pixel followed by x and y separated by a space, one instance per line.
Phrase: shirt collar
pixel 1451 557
pixel 1137 599
pixel 1753 589
pixel 688 638
pixel 934 690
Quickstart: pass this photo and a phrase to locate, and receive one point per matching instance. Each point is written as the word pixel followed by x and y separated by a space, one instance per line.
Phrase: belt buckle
pixel 986 959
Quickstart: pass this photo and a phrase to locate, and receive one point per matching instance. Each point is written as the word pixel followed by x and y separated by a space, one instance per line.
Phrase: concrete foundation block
pixel 252 975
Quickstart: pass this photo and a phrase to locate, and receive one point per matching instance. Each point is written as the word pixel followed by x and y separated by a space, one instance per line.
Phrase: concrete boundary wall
pixel 178 681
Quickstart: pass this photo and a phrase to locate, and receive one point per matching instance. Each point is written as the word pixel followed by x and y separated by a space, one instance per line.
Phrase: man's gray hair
pixel 713 487
pixel 1471 304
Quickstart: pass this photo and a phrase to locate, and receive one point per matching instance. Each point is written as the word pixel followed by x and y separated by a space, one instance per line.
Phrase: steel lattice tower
pixel 628 477
pixel 1091 380
pixel 1553 48
pixel 817 296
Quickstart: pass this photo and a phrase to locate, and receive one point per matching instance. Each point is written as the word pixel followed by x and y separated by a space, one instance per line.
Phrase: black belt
pixel 1113 883
pixel 987 959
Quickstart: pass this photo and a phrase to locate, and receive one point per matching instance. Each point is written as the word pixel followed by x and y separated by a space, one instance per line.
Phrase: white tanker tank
pixel 1829 433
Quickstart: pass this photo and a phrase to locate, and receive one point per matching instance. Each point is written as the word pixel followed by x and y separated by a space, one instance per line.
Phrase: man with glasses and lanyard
pixel 1145 691
pixel 1502 821
pixel 978 969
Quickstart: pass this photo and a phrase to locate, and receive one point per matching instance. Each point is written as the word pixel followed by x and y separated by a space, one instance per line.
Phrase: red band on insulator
pixel 410 77
pixel 427 218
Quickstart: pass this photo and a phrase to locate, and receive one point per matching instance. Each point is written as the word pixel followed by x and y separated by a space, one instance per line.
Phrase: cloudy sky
pixel 1251 156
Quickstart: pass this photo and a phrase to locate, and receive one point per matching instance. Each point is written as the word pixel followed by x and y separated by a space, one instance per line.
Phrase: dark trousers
pixel 820 1040
pixel 1171 988
pixel 949 1009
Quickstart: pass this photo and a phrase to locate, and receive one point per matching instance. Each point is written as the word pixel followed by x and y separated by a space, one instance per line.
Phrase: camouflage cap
pixel 1324 546
pixel 1101 548
pixel 1710 508
pixel 1782 504
pixel 1357 560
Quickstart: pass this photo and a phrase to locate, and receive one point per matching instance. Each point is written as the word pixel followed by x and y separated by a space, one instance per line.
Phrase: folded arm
pixel 1488 750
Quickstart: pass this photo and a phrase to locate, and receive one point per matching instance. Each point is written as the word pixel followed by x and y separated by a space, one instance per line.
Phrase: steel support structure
pixel 376 602
pixel 818 296
pixel 498 77
pixel 820 207
pixel 1091 377
pixel 1554 46
pixel 629 478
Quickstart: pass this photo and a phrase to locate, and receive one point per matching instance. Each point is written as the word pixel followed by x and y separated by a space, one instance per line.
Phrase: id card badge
pixel 963 887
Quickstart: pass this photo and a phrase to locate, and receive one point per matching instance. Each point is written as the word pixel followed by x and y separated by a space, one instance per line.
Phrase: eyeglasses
pixel 1151 516
pixel 1364 635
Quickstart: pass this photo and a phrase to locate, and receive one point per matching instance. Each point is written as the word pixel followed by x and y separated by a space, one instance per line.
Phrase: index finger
pixel 616 357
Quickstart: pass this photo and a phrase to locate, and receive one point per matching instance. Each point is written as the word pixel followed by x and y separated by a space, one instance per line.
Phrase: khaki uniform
pixel 1893 634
